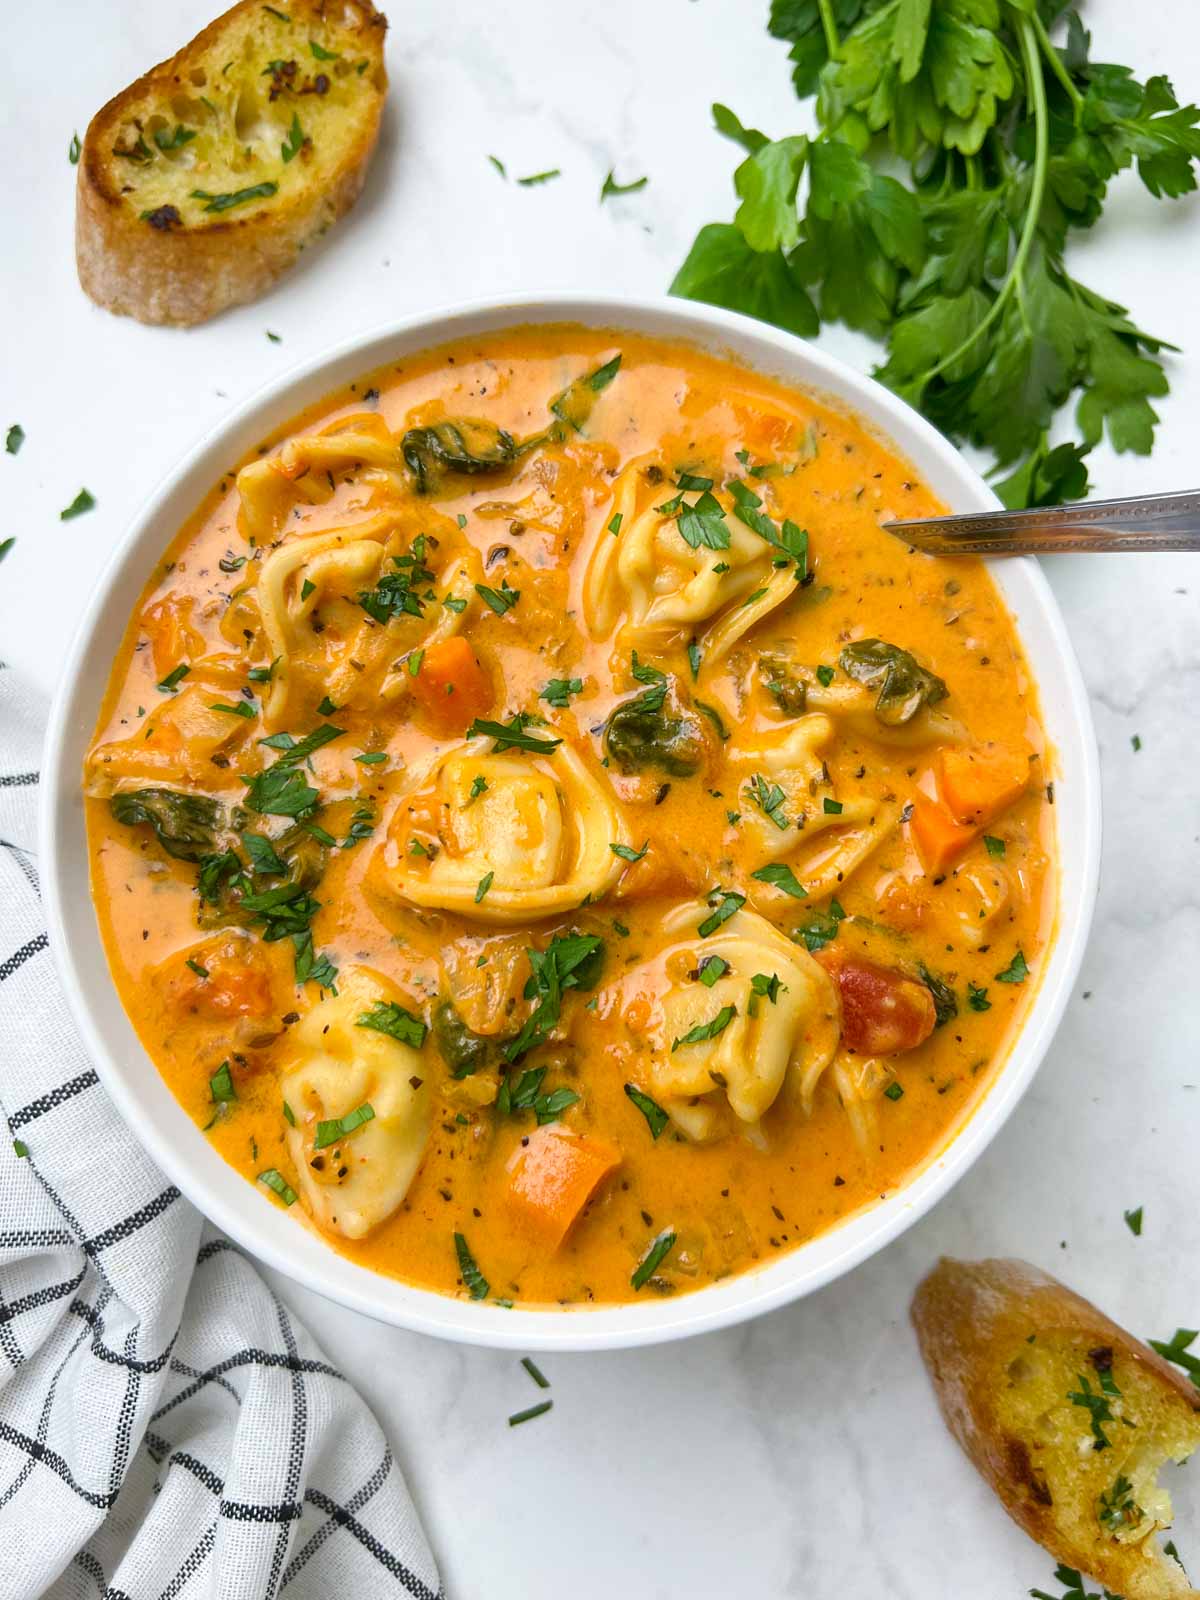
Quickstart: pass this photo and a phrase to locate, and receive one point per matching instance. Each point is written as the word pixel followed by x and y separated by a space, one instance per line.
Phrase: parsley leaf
pixel 656 1118
pixel 706 1030
pixel 388 1016
pixel 511 735
pixel 781 876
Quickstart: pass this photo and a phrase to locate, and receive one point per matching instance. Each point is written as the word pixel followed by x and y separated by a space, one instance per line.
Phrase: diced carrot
pixel 977 785
pixel 883 1012
pixel 553 1176
pixel 452 686
pixel 939 838
pixel 667 868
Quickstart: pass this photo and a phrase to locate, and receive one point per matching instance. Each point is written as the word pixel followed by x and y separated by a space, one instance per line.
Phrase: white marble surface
pixel 801 1455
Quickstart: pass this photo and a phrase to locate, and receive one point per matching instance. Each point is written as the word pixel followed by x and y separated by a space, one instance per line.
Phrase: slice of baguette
pixel 203 181
pixel 1065 1415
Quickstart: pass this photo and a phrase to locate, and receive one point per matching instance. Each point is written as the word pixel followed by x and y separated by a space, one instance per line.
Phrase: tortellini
pixel 771 1009
pixel 344 609
pixel 651 574
pixel 789 803
pixel 335 1066
pixel 177 739
pixel 504 837
pixel 302 473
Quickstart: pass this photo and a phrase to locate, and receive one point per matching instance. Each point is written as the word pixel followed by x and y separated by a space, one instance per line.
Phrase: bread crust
pixel 969 1318
pixel 181 274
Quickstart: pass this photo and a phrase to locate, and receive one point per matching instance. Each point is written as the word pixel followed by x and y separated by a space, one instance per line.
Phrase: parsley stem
pixel 1035 86
pixel 832 43
pixel 1056 64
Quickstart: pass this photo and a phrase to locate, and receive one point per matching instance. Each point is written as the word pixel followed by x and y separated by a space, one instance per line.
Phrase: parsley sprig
pixel 1009 142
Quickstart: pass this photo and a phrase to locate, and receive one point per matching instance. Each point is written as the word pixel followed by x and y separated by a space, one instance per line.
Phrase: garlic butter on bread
pixel 201 183
pixel 1066 1415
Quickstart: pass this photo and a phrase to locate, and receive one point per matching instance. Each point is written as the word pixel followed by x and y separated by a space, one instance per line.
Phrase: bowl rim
pixel 201 1173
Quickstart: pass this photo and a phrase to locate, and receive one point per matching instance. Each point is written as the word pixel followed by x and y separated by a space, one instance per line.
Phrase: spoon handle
pixel 1147 522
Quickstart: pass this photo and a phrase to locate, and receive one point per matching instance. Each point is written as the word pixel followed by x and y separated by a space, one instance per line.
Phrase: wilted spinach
pixel 460 444
pixel 186 825
pixel 904 685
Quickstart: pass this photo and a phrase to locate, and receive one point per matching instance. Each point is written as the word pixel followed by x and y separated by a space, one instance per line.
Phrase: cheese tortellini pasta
pixel 335 1066
pixel 503 838
pixel 770 1008
pixel 344 610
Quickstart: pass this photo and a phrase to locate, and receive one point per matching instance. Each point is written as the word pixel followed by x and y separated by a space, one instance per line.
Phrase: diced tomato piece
pixel 553 1176
pixel 883 1012
pixel 233 981
pixel 452 686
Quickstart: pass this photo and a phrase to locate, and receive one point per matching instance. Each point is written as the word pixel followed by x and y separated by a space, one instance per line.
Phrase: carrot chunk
pixel 553 1176
pixel 883 1012
pixel 938 836
pixel 452 687
pixel 977 785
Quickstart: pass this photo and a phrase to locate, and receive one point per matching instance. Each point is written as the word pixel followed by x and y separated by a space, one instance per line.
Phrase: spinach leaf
pixel 904 685
pixel 460 444
pixel 652 730
pixel 186 825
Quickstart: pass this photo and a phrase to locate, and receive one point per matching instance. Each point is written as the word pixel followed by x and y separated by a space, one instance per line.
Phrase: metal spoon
pixel 1154 522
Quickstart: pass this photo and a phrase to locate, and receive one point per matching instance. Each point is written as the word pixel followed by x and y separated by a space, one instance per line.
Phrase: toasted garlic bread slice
pixel 1065 1415
pixel 203 181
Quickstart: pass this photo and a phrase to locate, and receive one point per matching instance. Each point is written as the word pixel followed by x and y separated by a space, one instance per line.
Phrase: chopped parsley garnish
pixel 558 692
pixel 20 1150
pixel 220 1085
pixel 321 53
pixel 14 439
pixel 329 1132
pixel 1136 742
pixel 476 1284
pixel 74 150
pixel 977 998
pixel 1117 1508
pixel 694 658
pixel 280 791
pixel 781 876
pixel 894 1091
pixel 653 1259
pixel 945 1001
pixel 511 735
pixel 706 1030
pixel 234 197
pixel 535 1372
pixel 478 786
pixel 371 758
pixel 711 970
pixel 567 962
pixel 656 1118
pixel 703 523
pixel 614 526
pixel 1177 1351
pixel 413 663
pixel 194 966
pixel 1133 1221
pixel 83 501
pixel 297 750
pixel 626 853
pixel 540 1410
pixel 821 928
pixel 294 142
pixel 274 1180
pixel 484 884
pixel 610 186
pixel 388 1016
pixel 239 708
pixel 770 800
pixel 714 716
pixel 790 541
pixel 995 847
pixel 535 178
pixel 395 595
pixel 1016 971
pixel 499 166
pixel 498 600
pixel 306 588
pixel 729 903
pixel 766 986
pixel 825 676
pixel 526 1095
pixel 326 708
pixel 174 678
pixel 1097 1406
pixel 831 808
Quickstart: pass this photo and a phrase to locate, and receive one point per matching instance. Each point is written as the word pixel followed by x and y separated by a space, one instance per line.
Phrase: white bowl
pixel 174 1141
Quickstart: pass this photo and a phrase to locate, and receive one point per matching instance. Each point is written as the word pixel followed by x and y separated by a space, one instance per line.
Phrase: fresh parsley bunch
pixel 1008 142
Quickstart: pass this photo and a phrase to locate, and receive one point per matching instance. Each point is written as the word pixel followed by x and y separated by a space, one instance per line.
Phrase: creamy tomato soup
pixel 552 839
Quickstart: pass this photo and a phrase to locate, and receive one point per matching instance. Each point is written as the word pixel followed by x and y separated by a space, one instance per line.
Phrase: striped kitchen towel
pixel 167 1430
